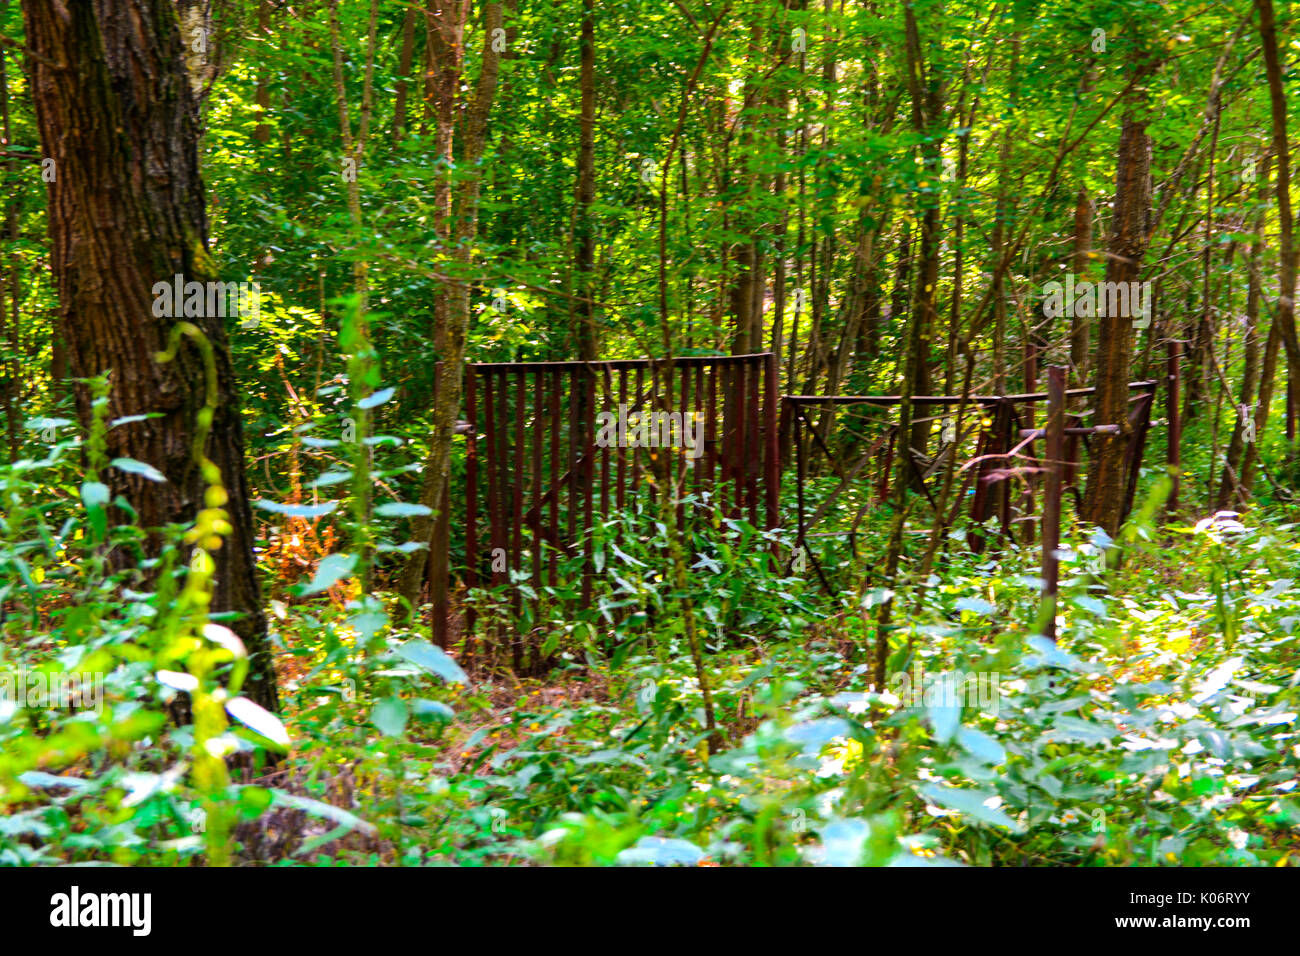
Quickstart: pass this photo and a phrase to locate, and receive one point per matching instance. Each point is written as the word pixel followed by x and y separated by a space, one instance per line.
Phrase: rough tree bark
pixel 119 117
pixel 1128 242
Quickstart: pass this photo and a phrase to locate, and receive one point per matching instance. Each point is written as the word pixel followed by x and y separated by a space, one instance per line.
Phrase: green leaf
pixel 378 398
pixel 812 735
pixel 331 478
pixel 843 843
pixel 332 569
pixel 875 597
pixel 434 660
pixel 129 419
pixel 398 509
pixel 258 719
pixel 1076 730
pixel 37 778
pixel 253 801
pixel 138 468
pixel 981 746
pixel 297 511
pixel 658 851
pixel 944 720
pixel 390 716
pixel 975 605
pixel 94 494
pixel 432 710
pixel 319 809
pixel 1091 604
pixel 969 803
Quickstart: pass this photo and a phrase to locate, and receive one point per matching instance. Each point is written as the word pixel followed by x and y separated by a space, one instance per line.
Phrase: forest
pixel 629 433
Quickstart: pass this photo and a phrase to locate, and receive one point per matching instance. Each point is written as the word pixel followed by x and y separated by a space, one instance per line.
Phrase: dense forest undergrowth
pixel 256 256
pixel 1158 731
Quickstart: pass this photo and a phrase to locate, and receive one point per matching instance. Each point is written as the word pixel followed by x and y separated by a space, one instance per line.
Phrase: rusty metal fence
pixel 1003 436
pixel 553 448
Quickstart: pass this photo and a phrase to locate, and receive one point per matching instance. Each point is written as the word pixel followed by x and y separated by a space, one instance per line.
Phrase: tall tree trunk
pixel 1080 325
pixel 927 109
pixel 10 333
pixel 1231 490
pixel 1286 225
pixel 405 58
pixel 585 256
pixel 1001 227
pixel 444 59
pixel 1201 359
pixel 1128 242
pixel 126 210
pixel 452 352
pixel 262 131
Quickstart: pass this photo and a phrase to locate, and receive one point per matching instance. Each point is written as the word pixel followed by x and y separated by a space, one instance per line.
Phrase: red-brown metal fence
pixel 555 447
pixel 551 453
pixel 1003 440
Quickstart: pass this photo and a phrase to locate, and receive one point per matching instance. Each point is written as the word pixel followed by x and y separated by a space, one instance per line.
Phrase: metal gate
pixel 554 447
pixel 1002 441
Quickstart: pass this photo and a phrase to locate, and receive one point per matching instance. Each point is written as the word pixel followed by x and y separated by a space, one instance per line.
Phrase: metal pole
pixel 1052 496
pixel 772 473
pixel 1174 455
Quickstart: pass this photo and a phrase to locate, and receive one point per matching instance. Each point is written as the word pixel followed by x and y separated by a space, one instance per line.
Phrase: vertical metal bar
pixel 1009 439
pixel 798 484
pixel 605 455
pixel 505 509
pixel 517 483
pixel 588 478
pixel 438 570
pixel 771 466
pixel 711 432
pixel 494 515
pixel 701 433
pixel 439 555
pixel 1052 496
pixel 471 498
pixel 535 473
pixel 573 479
pixel 1173 410
pixel 1140 420
pixel 982 501
pixel 682 458
pixel 753 439
pixel 554 421
pixel 641 403
pixel 739 459
pixel 621 485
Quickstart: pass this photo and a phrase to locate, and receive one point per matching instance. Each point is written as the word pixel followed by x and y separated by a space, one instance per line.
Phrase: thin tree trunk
pixel 1080 326
pixel 1230 484
pixel 584 317
pixel 404 61
pixel 447 401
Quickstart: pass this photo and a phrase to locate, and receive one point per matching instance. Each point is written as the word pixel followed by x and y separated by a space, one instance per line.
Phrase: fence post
pixel 471 501
pixel 1174 433
pixel 772 475
pixel 438 557
pixel 1051 533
